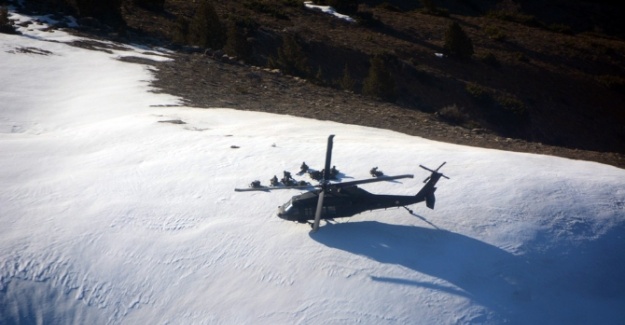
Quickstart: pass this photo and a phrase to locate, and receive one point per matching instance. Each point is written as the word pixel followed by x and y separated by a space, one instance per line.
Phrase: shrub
pixel 157 5
pixel 478 92
pixel 509 112
pixel 205 28
pixel 379 82
pixel 366 19
pixel 521 57
pixel 318 78
pixel 511 105
pixel 270 9
pixel 110 10
pixel 452 114
pixel 505 111
pixel 613 82
pixel 561 28
pixel 430 8
pixel 457 43
pixel 495 33
pixel 292 3
pixel 515 16
pixel 490 59
pixel 389 7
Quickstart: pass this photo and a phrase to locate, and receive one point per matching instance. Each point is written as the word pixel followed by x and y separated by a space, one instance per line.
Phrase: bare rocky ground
pixel 204 80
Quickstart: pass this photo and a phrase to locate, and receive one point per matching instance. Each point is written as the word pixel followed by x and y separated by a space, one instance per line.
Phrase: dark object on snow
pixel 288 180
pixel 315 174
pixel 303 168
pixel 173 121
pixel 375 172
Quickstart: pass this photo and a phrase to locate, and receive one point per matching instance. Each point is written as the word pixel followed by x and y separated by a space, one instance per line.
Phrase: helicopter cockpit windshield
pixel 286 210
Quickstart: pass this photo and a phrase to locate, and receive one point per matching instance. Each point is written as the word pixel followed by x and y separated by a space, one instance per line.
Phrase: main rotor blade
pixel 371 180
pixel 326 171
pixel 318 211
pixel 273 188
pixel 434 171
pixel 428 169
pixel 335 185
pixel 250 189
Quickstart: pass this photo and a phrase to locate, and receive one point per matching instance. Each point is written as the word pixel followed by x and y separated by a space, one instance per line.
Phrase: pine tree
pixel 181 30
pixel 6 25
pixel 110 10
pixel 236 43
pixel 347 82
pixel 319 79
pixel 379 82
pixel 291 58
pixel 457 42
pixel 205 28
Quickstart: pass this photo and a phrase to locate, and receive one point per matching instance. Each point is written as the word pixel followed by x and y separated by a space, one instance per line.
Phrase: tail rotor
pixel 434 171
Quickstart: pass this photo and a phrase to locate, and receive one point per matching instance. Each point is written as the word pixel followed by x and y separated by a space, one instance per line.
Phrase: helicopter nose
pixel 281 213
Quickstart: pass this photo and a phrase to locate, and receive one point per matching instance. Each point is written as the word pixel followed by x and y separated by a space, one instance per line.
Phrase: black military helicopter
pixel 339 200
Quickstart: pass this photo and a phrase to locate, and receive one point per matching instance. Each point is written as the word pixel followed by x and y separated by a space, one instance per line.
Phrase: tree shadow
pixel 473 269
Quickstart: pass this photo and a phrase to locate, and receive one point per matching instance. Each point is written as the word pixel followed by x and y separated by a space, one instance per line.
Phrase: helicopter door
pixel 329 211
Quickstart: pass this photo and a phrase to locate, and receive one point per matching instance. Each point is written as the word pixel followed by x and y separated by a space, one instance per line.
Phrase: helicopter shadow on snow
pixel 469 267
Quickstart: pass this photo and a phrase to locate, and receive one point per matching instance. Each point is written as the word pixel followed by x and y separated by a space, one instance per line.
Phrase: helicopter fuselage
pixel 341 203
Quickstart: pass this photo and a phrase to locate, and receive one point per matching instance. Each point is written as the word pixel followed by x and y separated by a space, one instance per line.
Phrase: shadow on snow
pixel 511 286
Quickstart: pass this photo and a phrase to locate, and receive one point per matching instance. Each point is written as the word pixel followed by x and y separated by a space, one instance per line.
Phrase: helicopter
pixel 329 200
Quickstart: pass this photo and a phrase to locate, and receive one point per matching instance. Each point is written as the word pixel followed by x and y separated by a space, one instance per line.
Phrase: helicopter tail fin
pixel 427 192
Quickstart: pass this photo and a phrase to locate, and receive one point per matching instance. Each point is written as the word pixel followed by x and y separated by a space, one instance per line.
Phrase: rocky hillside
pixel 550 72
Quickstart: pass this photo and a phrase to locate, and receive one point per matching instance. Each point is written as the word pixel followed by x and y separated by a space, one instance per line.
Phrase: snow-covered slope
pixel 109 216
